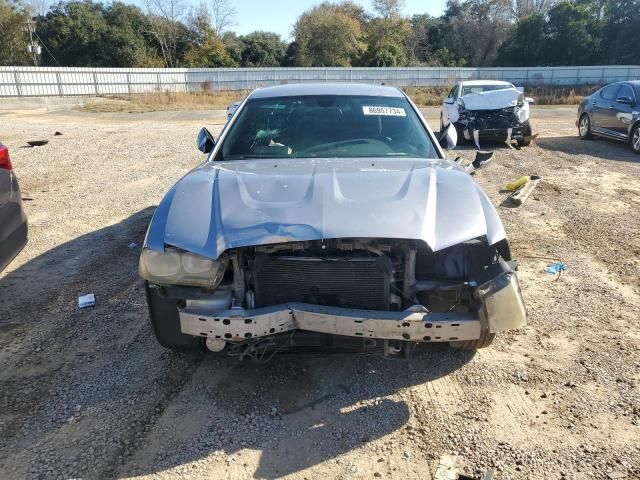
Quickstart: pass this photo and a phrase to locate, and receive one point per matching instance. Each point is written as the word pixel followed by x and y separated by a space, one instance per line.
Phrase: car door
pixel 623 107
pixel 449 107
pixel 603 117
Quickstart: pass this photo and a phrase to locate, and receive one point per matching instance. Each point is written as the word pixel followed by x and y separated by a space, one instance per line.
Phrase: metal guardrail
pixel 70 81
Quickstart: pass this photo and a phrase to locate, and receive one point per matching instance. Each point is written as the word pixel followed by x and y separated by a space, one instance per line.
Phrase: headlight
pixel 176 267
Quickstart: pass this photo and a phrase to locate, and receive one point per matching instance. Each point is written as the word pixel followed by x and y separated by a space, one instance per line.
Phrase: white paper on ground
pixel 88 300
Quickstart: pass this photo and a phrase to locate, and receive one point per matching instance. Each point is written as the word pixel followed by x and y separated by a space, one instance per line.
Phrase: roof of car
pixel 485 82
pixel 303 89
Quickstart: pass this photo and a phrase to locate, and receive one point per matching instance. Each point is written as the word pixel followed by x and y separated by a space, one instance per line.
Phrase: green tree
pixel 388 8
pixel 74 32
pixel 573 37
pixel 207 50
pixel 419 43
pixel 621 32
pixel 526 45
pixel 13 41
pixel 88 34
pixel 262 49
pixel 386 42
pixel 234 46
pixel 326 36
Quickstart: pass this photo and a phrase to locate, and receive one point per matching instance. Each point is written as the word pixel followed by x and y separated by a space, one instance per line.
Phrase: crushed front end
pixel 354 294
pixel 508 123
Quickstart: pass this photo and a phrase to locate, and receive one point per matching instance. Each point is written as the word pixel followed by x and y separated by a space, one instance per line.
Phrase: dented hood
pixel 231 204
pixel 492 100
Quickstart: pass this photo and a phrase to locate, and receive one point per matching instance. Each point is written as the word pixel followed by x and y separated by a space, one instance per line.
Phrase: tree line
pixel 167 33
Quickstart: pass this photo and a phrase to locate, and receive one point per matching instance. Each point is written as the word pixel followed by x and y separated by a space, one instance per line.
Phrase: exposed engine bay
pixel 383 293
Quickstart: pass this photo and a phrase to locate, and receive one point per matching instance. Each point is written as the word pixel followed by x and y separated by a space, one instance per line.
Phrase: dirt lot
pixel 90 394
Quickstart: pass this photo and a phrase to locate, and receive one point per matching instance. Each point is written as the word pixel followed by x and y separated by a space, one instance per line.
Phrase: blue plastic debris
pixel 555 268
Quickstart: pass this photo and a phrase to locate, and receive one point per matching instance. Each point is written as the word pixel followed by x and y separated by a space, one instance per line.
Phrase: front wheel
pixel 526 135
pixel 584 127
pixel 486 339
pixel 635 139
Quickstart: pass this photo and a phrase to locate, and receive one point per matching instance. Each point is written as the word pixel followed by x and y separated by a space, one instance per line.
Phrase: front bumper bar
pixel 500 300
pixel 240 325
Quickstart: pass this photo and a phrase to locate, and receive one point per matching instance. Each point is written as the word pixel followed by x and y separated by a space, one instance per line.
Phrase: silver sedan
pixel 13 221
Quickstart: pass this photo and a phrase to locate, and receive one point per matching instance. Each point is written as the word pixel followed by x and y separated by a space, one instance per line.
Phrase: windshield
pixel 327 126
pixel 483 88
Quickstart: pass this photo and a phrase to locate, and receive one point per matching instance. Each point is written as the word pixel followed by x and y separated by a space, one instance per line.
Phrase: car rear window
pixel 327 126
pixel 483 88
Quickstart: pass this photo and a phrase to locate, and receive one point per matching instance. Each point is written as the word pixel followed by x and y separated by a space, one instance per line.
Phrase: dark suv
pixel 612 112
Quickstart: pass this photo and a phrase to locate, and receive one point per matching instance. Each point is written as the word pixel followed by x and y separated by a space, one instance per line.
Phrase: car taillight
pixel 5 160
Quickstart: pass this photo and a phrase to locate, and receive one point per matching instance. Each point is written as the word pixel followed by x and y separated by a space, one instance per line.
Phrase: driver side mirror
pixel 449 100
pixel 625 100
pixel 449 138
pixel 205 141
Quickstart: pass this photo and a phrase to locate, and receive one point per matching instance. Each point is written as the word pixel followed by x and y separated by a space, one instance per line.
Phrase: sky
pixel 280 15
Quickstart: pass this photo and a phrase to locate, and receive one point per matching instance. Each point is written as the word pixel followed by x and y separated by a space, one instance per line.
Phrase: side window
pixel 626 91
pixel 452 92
pixel 610 92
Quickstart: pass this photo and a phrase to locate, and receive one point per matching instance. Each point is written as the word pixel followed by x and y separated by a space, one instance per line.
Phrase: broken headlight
pixel 177 267
pixel 502 302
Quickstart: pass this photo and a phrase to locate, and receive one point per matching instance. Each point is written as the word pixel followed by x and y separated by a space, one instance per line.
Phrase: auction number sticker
pixel 385 111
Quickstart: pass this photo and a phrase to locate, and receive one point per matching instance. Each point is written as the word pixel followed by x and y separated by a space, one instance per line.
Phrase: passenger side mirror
pixel 625 100
pixel 449 138
pixel 205 141
pixel 449 100
pixel 482 160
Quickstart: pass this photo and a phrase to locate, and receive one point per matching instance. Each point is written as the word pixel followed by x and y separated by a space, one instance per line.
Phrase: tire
pixel 584 127
pixel 485 340
pixel 165 321
pixel 526 140
pixel 634 139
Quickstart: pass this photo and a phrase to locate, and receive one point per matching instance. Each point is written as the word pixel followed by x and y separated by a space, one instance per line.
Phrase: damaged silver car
pixel 488 110
pixel 327 216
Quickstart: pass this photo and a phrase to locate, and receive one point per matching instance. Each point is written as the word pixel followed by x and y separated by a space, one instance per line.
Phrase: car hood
pixel 492 100
pixel 222 205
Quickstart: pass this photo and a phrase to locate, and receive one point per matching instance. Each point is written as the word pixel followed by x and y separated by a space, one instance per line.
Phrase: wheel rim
pixel 636 140
pixel 584 125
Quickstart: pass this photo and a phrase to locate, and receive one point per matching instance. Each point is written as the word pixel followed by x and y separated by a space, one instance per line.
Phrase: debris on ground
pixel 57 134
pixel 555 268
pixel 37 143
pixel 133 245
pixel 448 467
pixel 521 182
pixel 521 194
pixel 88 300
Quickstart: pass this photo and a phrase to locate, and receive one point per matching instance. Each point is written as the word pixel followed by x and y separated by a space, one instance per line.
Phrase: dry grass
pixel 151 102
pixel 432 96
pixel 208 100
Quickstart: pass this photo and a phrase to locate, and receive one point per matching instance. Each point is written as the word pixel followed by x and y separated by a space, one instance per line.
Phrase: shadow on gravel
pixel 90 394
pixel 296 411
pixel 346 404
pixel 603 148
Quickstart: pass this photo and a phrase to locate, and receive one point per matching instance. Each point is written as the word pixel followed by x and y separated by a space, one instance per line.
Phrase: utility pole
pixel 33 47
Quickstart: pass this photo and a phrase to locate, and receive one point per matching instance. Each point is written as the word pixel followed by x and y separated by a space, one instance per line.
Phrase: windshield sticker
pixel 385 111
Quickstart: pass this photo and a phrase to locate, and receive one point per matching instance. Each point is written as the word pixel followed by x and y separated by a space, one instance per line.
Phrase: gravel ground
pixel 90 394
